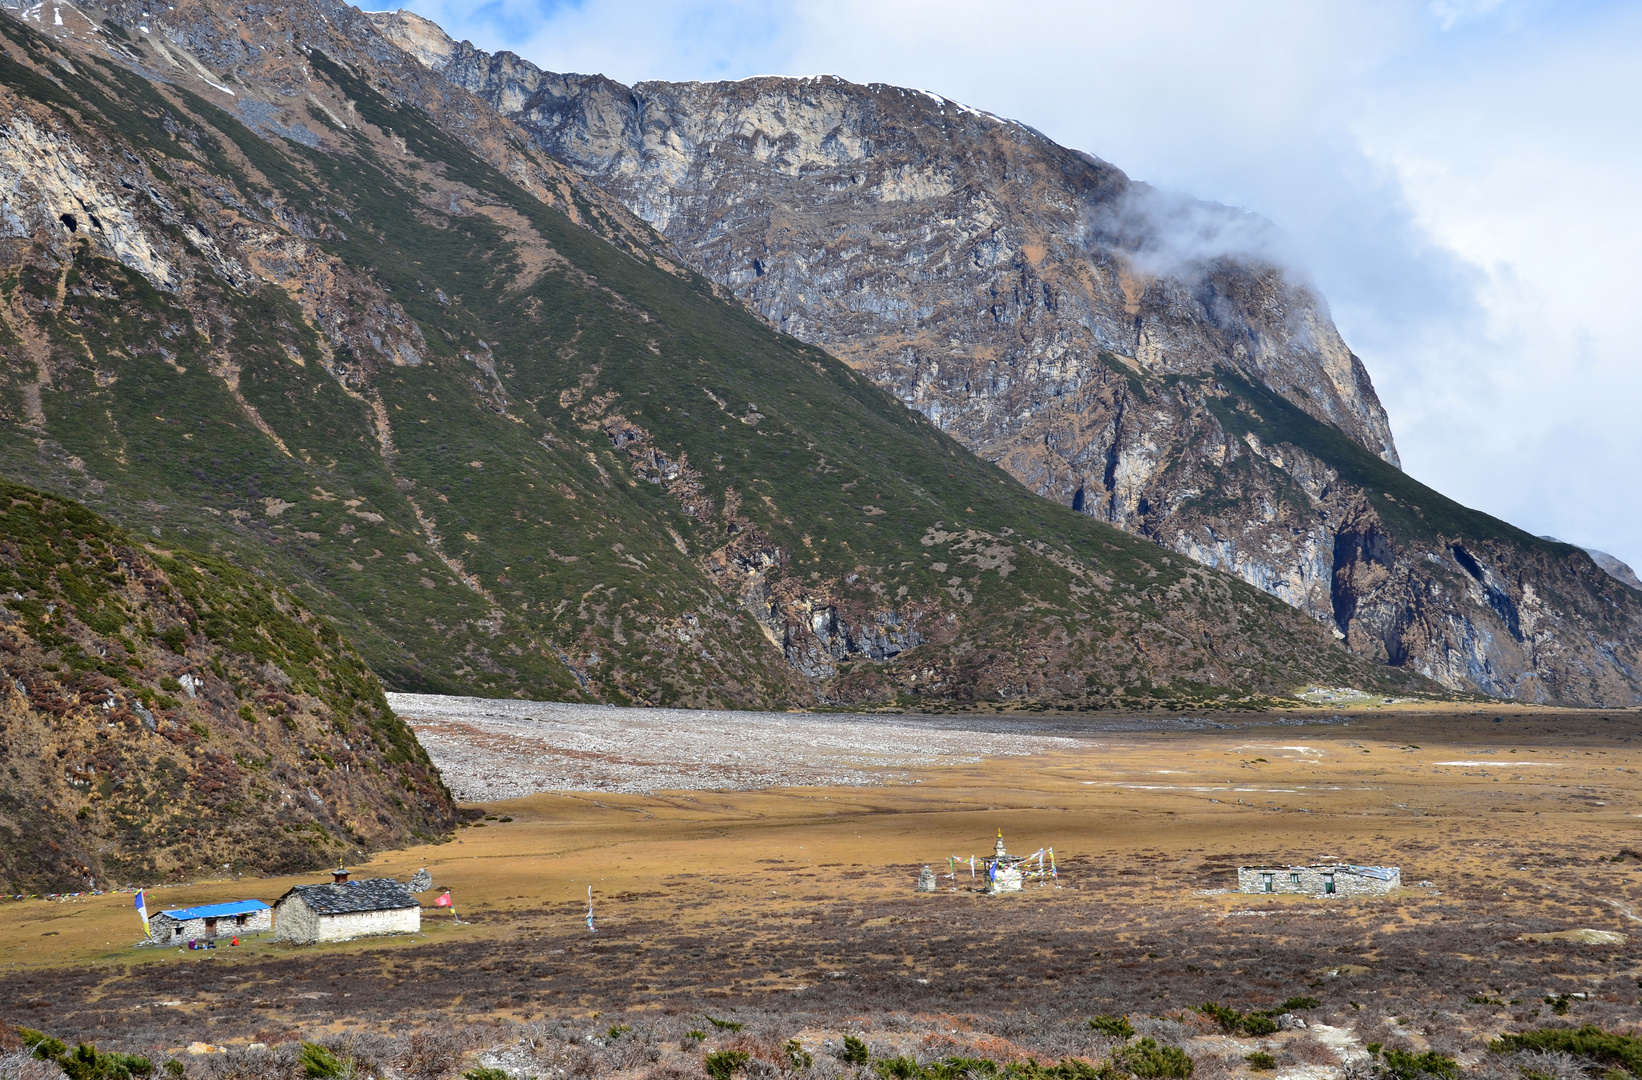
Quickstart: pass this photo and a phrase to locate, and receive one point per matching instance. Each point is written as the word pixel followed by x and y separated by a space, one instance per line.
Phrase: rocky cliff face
pixel 1104 342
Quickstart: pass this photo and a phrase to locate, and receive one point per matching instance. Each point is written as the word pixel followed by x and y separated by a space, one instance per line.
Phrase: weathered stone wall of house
pixel 1313 881
pixel 295 921
pixel 166 930
pixel 357 924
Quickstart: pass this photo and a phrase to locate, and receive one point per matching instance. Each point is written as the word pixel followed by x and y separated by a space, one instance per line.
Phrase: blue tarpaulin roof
pixel 215 911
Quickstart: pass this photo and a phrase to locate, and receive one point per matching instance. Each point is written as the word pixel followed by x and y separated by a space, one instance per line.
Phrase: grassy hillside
pixel 165 712
pixel 511 457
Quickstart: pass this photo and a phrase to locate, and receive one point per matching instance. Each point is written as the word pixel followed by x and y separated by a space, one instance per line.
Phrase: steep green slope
pixel 511 456
pixel 165 711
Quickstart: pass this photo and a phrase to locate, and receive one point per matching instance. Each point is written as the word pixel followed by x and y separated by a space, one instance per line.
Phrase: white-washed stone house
pixel 210 921
pixel 343 909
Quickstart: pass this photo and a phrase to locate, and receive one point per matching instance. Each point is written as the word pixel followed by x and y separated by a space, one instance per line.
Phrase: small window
pixel 1294 879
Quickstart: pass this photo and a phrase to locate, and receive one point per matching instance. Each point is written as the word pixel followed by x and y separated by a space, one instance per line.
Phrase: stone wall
pixel 295 921
pixel 369 924
pixel 1313 880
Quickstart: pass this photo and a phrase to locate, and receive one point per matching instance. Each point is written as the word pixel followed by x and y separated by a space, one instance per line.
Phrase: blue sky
pixel 1460 178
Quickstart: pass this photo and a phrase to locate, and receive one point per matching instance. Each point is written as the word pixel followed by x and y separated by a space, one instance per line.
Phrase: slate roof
pixel 1383 873
pixel 373 894
pixel 216 911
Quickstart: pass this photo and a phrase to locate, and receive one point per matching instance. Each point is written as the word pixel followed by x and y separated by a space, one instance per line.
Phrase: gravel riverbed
pixel 492 749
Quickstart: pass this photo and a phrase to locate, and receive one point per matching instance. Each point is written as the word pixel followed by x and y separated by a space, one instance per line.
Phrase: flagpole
pixel 590 929
pixel 142 912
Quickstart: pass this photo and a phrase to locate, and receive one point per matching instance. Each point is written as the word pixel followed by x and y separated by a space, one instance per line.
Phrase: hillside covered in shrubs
pixel 164 711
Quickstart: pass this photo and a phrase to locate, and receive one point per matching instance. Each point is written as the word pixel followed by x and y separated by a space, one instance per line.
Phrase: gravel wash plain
pixel 489 748
pixel 798 901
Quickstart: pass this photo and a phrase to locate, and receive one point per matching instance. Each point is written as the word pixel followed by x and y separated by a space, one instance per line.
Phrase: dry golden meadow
pixel 792 912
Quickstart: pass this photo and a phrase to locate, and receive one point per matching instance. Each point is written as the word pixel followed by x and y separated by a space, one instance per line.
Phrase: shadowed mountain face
pixel 1138 357
pixel 273 289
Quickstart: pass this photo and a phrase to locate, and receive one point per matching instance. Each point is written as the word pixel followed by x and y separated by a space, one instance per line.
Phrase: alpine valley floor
pixel 791 910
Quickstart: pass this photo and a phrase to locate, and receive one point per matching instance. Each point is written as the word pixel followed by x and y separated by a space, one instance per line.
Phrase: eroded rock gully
pixel 1100 340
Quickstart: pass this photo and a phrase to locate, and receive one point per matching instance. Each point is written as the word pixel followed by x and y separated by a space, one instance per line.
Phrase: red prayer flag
pixel 443 901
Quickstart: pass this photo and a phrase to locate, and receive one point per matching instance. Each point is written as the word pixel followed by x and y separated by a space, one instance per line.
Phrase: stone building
pixel 342 910
pixel 1321 879
pixel 210 921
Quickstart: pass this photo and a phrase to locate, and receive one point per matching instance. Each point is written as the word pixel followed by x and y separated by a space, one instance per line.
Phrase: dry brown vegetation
pixel 792 912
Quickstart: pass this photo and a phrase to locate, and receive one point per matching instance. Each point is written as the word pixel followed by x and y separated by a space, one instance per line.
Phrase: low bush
pixel 1397 1064
pixel 1149 1061
pixel 1117 1027
pixel 319 1063
pixel 85 1062
pixel 1590 1042
pixel 723 1065
pixel 1233 1022
pixel 855 1051
pixel 1261 1061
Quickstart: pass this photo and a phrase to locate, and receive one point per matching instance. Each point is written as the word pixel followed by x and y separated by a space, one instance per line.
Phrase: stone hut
pixel 1320 879
pixel 342 910
pixel 210 921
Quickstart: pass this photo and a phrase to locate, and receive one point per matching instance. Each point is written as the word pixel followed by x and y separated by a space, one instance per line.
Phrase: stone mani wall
pixel 297 923
pixel 1313 880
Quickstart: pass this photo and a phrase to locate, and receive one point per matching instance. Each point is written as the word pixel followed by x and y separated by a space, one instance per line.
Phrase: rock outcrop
pixel 1117 349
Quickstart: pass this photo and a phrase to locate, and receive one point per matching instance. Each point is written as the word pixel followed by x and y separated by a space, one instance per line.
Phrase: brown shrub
pixel 1213 1067
pixel 23 1065
pixel 633 1050
pixel 1309 1051
pixel 269 1036
pixel 675 1070
pixel 431 1053
pixel 242 1063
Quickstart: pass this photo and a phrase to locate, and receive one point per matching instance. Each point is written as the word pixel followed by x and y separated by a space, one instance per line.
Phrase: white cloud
pixel 1458 176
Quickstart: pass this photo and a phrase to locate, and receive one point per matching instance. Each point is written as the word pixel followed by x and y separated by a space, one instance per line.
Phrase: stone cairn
pixel 926 880
pixel 421 881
